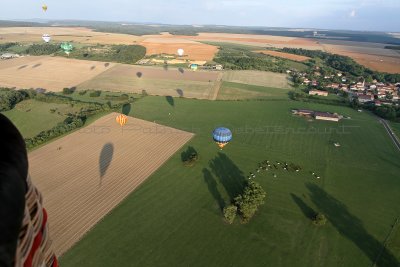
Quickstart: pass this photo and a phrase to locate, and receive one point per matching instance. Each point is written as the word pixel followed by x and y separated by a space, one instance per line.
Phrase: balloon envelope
pixel 222 136
pixel 46 37
pixel 67 47
pixel 121 119
pixel 44 7
pixel 180 52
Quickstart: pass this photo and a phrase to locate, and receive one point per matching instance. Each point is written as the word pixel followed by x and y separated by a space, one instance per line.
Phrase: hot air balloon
pixel 194 67
pixel 180 52
pixel 222 136
pixel 46 37
pixel 67 47
pixel 44 7
pixel 121 119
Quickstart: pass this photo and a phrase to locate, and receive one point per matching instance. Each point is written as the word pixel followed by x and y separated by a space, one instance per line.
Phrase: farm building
pixel 9 56
pixel 318 92
pixel 303 112
pixel 326 116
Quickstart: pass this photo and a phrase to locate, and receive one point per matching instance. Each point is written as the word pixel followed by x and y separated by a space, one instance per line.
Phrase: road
pixel 391 133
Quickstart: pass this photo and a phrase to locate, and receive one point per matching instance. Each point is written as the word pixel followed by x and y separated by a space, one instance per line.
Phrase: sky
pixel 370 15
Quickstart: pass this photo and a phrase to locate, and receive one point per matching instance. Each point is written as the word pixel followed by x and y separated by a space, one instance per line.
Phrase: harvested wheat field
pixel 86 174
pixel 373 56
pixel 258 40
pixel 284 55
pixel 155 81
pixel 51 73
pixel 58 34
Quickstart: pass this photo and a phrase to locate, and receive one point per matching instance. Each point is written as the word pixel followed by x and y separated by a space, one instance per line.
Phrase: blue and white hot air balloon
pixel 222 136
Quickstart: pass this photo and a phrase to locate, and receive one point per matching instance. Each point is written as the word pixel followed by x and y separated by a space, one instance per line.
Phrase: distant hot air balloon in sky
pixel 46 37
pixel 44 7
pixel 180 52
pixel 121 119
pixel 222 136
pixel 67 47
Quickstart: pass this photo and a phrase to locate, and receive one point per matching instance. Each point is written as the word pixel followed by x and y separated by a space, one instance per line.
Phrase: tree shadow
pixel 230 176
pixel 139 74
pixel 92 67
pixel 126 109
pixel 106 156
pixel 185 155
pixel 212 187
pixel 181 70
pixel 106 64
pixel 351 227
pixel 180 92
pixel 36 65
pixel 307 210
pixel 22 67
pixel 170 100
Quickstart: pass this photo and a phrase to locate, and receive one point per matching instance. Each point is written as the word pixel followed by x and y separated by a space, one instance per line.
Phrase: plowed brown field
pixel 86 174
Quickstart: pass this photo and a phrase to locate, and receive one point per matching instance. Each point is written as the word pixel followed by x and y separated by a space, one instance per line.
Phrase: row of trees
pixel 246 204
pixel 10 97
pixel 242 59
pixel 128 54
pixel 345 64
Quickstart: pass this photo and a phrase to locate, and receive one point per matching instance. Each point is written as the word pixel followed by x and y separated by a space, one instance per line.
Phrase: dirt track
pixel 86 174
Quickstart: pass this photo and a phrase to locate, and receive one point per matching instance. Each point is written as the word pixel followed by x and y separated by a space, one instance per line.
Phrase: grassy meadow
pixel 175 219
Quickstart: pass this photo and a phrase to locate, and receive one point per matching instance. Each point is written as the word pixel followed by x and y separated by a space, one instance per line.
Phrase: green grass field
pixel 396 128
pixel 260 78
pixel 237 91
pixel 31 116
pixel 174 218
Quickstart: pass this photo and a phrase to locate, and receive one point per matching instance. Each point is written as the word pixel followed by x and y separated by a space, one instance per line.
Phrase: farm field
pixel 396 128
pixel 238 91
pixel 80 186
pixel 284 55
pixel 260 78
pixel 51 73
pixel 370 55
pixel 174 218
pixel 31 116
pixel 155 81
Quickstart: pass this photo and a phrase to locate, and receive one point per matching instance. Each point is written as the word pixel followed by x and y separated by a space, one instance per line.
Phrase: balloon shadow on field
pixel 180 92
pixel 212 187
pixel 105 159
pixel 106 64
pixel 181 70
pixel 139 74
pixel 22 67
pixel 36 65
pixel 351 227
pixel 230 176
pixel 92 67
pixel 170 100
pixel 308 212
pixel 126 109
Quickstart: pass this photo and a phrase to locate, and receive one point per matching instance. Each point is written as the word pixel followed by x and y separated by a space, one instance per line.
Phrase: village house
pixel 318 92
pixel 365 98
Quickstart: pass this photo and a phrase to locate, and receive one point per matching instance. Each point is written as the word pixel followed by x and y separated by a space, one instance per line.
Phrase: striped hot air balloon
pixel 121 119
pixel 222 136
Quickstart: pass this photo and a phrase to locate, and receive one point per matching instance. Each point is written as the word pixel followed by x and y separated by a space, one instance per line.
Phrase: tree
pixel 253 196
pixel 319 219
pixel 230 213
